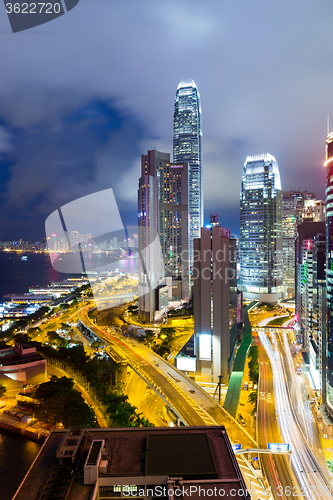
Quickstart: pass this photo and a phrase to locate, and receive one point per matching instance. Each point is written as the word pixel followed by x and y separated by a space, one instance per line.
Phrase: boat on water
pixel 24 257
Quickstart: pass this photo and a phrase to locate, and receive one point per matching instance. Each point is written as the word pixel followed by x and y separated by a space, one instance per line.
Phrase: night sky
pixel 82 97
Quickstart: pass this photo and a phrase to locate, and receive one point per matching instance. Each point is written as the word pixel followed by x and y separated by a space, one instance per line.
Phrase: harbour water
pixel 16 456
pixel 17 275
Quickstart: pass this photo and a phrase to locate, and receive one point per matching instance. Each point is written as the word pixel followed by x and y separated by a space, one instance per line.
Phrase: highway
pixel 275 467
pixel 311 480
pixel 144 398
pixel 193 403
pixel 196 408
pixel 191 411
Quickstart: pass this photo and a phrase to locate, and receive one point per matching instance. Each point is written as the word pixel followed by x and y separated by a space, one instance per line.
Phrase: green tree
pixel 254 363
pixel 253 397
pixel 3 390
pixel 22 338
pixel 96 344
pixel 149 337
pixel 55 339
pixel 122 413
pixel 59 402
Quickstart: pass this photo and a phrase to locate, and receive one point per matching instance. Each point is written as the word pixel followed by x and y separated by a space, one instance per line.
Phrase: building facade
pixel 329 270
pixel 20 366
pixel 173 217
pixel 314 210
pixel 307 234
pixel 187 135
pixel 292 210
pixel 215 303
pixel 151 269
pixel 261 229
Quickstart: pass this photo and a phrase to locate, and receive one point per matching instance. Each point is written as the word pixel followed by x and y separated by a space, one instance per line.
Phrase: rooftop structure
pixel 136 463
pixel 20 366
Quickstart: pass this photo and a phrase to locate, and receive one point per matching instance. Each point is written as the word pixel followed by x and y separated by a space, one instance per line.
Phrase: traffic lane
pixel 275 466
pixel 150 405
pixel 300 400
pixel 267 462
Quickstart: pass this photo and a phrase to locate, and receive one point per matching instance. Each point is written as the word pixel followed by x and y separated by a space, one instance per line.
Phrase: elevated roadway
pixel 194 405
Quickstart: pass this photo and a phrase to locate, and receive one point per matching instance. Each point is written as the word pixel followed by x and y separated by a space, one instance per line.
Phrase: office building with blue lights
pixel 261 229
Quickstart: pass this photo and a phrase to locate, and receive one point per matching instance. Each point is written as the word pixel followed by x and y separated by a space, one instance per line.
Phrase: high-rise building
pixel 173 220
pixel 261 229
pixel 310 279
pixel 314 210
pixel 329 270
pixel 151 270
pixel 187 134
pixel 215 303
pixel 292 209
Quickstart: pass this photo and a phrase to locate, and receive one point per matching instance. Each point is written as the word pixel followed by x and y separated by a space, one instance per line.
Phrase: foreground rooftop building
pixel 136 463
pixel 261 229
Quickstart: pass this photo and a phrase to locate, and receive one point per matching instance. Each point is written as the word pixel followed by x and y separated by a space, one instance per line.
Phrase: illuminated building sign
pixel 205 346
pixel 278 446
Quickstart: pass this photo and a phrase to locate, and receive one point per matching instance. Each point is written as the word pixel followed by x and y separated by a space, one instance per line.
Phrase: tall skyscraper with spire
pixel 187 134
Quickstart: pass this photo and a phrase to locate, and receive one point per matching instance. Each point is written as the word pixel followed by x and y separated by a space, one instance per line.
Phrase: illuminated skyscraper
pixel 151 269
pixel 172 181
pixel 329 270
pixel 261 229
pixel 187 134
pixel 292 209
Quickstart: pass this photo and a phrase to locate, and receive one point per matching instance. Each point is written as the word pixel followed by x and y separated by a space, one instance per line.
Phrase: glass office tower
pixel 187 148
pixel 292 210
pixel 261 229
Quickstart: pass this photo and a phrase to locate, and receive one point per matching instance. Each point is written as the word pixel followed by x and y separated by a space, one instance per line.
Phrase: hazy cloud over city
pixel 83 96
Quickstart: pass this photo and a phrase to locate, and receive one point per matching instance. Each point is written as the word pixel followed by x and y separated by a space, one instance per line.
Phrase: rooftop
pixel 189 455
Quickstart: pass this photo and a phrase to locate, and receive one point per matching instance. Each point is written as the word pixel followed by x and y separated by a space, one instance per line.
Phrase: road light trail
pixel 308 473
pixel 298 396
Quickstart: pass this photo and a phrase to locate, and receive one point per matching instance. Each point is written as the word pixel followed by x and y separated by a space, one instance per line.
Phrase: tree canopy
pixel 59 402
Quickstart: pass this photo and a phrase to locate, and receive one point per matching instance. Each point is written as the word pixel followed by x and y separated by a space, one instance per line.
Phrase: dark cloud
pixel 84 150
